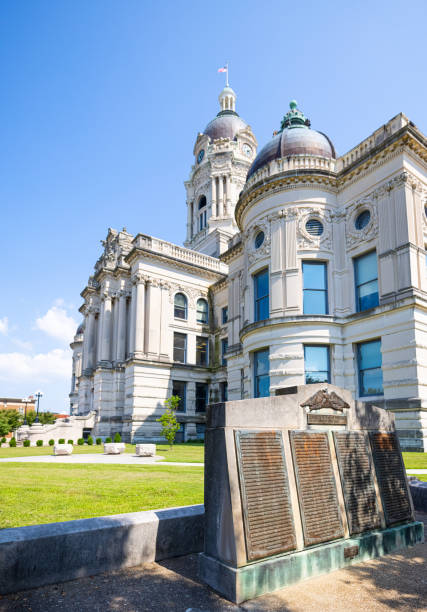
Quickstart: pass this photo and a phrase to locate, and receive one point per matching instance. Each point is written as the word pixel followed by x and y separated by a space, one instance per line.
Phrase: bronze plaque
pixel 391 477
pixel 264 488
pixel 350 552
pixel 355 465
pixel 317 492
pixel 326 419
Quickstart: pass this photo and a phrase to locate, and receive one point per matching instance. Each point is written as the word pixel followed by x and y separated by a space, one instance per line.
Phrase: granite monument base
pixel 258 578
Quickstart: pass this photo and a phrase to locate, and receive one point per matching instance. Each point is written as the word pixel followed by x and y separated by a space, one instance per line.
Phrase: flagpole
pixel 227 75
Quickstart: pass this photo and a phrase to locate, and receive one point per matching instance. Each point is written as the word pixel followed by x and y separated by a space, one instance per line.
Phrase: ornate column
pixel 106 328
pixel 153 318
pixel 121 326
pixel 138 309
pixel 189 221
pixel 213 199
pixel 227 202
pixel 164 321
pixel 88 341
pixel 220 196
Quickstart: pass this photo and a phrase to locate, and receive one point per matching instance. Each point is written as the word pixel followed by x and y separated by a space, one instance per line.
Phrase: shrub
pixel 80 441
pixel 90 440
pixel 51 442
pixel 98 441
pixel 108 440
pixel 61 441
pixel 27 443
pixel 168 419
pixel 39 442
pixel 2 441
pixel 117 437
pixel 70 442
pixel 12 442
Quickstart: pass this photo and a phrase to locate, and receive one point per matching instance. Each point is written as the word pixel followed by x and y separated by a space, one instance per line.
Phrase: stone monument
pixel 298 485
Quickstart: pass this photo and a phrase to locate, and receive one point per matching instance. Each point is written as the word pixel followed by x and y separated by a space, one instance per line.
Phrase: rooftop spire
pixel 227 99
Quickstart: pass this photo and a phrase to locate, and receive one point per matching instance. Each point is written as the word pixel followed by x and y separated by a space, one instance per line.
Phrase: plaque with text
pixel 317 492
pixel 355 466
pixel 326 419
pixel 267 512
pixel 391 477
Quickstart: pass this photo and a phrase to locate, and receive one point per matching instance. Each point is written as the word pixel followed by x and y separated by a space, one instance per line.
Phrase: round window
pixel 259 239
pixel 362 219
pixel 314 227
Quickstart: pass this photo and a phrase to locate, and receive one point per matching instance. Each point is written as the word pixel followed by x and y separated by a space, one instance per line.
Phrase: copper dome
pixel 295 138
pixel 227 124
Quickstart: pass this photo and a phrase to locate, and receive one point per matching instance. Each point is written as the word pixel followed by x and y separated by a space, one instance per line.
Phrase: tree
pixel 4 424
pixel 168 419
pixel 45 418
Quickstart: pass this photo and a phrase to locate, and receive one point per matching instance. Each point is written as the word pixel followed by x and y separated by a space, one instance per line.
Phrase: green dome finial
pixel 294 117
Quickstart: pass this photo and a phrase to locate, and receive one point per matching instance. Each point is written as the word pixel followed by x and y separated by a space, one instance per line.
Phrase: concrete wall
pixel 44 554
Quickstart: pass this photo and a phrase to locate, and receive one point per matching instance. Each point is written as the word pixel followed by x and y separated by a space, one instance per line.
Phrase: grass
pixel 35 493
pixel 190 452
pixel 414 461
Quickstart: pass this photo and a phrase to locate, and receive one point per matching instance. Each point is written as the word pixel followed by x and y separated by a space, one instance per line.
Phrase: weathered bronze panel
pixel 355 465
pixel 391 477
pixel 264 487
pixel 326 419
pixel 317 492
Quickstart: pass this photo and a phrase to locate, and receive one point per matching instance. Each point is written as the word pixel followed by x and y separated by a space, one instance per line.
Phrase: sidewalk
pixel 395 582
pixel 125 458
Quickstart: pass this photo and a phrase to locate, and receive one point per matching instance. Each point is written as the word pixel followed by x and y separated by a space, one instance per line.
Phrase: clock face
pixel 200 155
pixel 247 150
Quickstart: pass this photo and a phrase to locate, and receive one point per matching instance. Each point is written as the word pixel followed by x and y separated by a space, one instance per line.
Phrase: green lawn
pixel 190 452
pixel 414 461
pixel 35 493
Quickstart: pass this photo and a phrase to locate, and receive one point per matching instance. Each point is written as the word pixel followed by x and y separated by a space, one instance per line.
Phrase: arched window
pixel 202 213
pixel 180 306
pixel 202 311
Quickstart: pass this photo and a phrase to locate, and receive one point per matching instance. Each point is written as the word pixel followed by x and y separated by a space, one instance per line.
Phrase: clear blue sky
pixel 101 102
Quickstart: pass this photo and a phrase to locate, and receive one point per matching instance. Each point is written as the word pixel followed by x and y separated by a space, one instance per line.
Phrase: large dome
pixel 226 124
pixel 294 138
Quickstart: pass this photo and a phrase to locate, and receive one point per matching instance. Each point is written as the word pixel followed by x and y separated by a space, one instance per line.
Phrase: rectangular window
pixel 262 373
pixel 201 351
pixel 242 383
pixel 180 347
pixel 261 295
pixel 224 315
pixel 366 280
pixel 315 287
pixel 201 397
pixel 179 388
pixel 200 431
pixel 369 361
pixel 316 364
pixel 224 347
pixel 224 392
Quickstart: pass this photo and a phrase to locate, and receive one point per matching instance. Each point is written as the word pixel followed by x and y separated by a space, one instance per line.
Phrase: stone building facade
pixel 298 266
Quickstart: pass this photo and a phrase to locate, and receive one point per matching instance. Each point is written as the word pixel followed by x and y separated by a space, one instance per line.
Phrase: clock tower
pixel 223 154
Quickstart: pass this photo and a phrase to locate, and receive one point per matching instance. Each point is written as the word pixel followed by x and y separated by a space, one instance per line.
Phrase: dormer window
pixel 202 213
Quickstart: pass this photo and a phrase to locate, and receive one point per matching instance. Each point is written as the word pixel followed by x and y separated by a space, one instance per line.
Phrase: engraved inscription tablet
pixel 355 465
pixel 316 487
pixel 391 477
pixel 264 487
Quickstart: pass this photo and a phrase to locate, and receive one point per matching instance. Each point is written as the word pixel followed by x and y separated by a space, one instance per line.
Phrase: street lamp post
pixel 26 401
pixel 38 395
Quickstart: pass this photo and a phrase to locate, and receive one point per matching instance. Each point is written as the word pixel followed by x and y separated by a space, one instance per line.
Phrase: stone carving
pixel 324 399
pixel 116 246
pixel 249 238
pixel 306 240
pixel 355 236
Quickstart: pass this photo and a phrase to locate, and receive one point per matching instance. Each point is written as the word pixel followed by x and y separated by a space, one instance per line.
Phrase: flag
pixel 225 69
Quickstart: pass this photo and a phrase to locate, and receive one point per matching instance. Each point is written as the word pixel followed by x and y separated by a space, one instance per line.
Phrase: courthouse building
pixel 299 266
